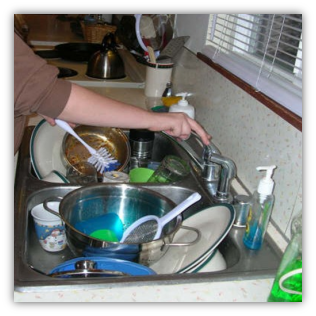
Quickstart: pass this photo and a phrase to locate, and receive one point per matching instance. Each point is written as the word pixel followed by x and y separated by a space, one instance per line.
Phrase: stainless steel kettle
pixel 106 63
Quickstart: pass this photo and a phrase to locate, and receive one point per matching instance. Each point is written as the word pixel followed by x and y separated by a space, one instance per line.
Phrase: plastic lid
pixel 266 184
pixel 183 101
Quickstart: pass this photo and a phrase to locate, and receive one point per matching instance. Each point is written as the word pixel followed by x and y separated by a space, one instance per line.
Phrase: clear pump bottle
pixel 260 211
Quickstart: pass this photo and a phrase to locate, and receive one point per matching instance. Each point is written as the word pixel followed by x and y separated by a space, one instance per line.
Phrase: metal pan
pixel 71 51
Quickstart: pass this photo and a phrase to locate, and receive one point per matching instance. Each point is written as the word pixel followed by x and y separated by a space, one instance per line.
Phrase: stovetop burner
pixel 66 72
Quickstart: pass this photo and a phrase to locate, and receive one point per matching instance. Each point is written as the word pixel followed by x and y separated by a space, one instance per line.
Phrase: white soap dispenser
pixel 183 106
pixel 260 210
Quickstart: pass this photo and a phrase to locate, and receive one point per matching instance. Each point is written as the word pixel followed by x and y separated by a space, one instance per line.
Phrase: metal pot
pixel 113 139
pixel 106 63
pixel 130 203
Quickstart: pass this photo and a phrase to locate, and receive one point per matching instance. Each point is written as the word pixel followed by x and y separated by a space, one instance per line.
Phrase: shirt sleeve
pixel 36 86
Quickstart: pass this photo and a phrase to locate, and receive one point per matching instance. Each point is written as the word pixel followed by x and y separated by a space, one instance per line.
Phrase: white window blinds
pixel 265 50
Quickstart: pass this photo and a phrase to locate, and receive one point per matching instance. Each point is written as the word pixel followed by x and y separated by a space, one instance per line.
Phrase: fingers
pixel 196 127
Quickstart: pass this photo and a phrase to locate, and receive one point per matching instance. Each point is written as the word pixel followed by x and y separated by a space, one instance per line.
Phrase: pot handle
pixel 52 199
pixel 190 243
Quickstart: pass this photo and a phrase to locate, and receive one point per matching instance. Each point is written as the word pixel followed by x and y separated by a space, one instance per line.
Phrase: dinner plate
pixel 45 149
pixel 214 223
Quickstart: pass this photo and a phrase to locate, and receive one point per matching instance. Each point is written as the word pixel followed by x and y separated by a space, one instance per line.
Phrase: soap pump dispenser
pixel 183 106
pixel 260 210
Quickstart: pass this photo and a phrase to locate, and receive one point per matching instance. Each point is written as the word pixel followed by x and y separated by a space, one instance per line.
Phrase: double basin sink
pixel 32 263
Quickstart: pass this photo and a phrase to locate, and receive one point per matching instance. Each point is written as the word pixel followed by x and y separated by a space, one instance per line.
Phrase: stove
pixel 135 71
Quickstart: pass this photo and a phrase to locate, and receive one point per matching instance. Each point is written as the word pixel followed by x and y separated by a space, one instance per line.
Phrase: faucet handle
pixel 207 152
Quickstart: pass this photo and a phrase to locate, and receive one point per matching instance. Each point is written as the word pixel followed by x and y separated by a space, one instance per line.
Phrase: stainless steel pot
pixel 106 63
pixel 130 203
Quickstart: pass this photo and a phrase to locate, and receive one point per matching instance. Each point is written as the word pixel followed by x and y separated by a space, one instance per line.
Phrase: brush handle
pixel 180 208
pixel 65 126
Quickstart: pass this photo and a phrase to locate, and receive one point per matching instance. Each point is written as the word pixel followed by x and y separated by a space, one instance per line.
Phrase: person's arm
pixel 87 107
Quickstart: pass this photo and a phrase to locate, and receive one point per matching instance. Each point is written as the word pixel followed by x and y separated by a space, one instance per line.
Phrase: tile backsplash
pixel 246 131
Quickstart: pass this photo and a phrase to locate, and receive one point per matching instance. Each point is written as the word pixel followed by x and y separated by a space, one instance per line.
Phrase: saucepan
pixel 129 203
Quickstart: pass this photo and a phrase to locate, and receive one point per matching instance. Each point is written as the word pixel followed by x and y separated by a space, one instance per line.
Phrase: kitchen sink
pixel 32 263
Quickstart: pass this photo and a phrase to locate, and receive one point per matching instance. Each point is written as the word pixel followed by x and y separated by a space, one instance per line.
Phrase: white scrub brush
pixel 101 158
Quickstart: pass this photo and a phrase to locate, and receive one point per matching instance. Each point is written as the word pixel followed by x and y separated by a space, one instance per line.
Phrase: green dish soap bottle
pixel 287 286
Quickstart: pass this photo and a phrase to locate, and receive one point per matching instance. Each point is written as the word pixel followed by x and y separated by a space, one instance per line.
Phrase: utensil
pixel 106 63
pixel 172 48
pixel 130 203
pixel 149 227
pixel 101 159
pixel 113 139
pixel 151 54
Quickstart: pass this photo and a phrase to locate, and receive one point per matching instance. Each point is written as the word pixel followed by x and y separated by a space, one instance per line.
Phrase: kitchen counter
pixel 215 291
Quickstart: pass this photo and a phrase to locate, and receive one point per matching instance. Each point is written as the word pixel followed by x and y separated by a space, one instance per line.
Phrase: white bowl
pixel 214 223
pixel 45 149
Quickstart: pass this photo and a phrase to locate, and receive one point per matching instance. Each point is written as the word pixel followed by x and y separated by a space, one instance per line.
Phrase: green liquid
pixel 292 283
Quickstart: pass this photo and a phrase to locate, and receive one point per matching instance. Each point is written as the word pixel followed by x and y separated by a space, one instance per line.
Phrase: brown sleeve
pixel 36 86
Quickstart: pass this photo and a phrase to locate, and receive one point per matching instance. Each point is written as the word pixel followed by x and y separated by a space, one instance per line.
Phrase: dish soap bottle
pixel 287 286
pixel 183 106
pixel 260 211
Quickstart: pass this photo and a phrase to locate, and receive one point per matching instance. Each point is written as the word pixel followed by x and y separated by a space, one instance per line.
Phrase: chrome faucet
pixel 212 159
pixel 217 171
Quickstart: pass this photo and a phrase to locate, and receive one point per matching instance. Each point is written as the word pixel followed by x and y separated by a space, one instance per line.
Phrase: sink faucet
pixel 211 160
pixel 217 171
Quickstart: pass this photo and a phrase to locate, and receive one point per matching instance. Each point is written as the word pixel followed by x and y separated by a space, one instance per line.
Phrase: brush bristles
pixel 101 159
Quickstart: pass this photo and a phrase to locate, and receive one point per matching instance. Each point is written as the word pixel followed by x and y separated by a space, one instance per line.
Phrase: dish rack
pixel 94 33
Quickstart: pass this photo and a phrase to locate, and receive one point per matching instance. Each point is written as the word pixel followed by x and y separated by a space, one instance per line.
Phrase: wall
pixel 246 131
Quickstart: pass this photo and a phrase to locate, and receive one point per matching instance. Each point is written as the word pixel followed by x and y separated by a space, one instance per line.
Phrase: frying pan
pixel 71 51
pixel 77 51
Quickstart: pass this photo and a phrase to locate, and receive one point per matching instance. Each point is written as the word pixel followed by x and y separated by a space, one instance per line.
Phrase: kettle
pixel 106 63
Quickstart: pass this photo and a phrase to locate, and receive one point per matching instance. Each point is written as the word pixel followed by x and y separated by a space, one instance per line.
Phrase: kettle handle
pixel 108 42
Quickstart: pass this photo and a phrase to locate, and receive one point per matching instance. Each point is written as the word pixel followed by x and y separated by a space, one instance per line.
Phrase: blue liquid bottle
pixel 260 211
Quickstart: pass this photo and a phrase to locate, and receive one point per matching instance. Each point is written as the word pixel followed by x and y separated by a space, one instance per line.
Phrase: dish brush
pixel 101 158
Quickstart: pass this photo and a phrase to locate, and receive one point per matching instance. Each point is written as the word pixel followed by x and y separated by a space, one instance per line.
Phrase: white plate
pixel 214 223
pixel 45 147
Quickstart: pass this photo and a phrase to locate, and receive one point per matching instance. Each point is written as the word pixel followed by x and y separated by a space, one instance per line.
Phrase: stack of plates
pixel 214 223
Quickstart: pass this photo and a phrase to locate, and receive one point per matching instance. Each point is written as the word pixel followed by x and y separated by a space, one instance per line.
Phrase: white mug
pixel 50 229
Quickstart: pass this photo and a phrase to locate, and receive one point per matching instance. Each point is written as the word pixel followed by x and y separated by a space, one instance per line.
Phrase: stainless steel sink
pixel 32 263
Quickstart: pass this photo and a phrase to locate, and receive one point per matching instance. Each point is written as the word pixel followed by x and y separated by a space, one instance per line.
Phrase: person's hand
pixel 179 125
pixel 52 122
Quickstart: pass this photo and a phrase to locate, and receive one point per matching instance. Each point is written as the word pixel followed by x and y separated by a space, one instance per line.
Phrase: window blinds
pixel 265 50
